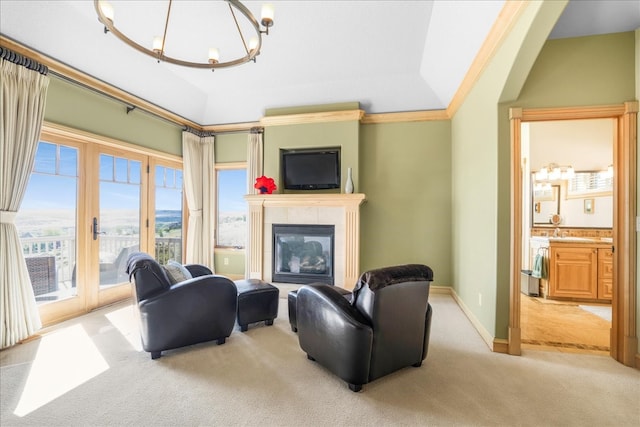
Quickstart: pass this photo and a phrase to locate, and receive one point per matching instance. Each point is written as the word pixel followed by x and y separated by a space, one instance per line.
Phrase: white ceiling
pixel 388 55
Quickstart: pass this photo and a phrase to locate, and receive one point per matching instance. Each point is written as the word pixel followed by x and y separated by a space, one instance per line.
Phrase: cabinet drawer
pixel 605 289
pixel 605 263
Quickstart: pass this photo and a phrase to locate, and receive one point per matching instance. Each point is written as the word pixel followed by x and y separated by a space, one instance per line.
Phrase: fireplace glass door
pixel 303 253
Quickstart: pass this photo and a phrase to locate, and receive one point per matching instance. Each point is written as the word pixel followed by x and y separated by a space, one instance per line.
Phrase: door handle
pixel 95 229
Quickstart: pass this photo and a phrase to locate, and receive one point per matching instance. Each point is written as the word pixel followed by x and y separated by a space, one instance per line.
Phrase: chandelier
pixel 251 49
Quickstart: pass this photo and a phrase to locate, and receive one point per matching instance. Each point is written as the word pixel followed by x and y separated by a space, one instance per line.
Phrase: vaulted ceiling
pixel 388 55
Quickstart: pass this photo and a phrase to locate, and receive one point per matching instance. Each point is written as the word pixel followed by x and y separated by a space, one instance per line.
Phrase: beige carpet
pixel 89 372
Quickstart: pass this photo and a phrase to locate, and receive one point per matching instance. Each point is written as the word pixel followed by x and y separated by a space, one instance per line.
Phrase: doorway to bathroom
pixel 567 210
pixel 623 335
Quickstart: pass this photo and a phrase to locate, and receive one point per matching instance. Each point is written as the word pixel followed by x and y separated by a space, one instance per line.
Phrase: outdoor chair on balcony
pixel 114 272
pixel 42 272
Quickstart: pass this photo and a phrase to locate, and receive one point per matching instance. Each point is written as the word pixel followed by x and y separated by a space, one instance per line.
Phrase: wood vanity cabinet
pixel 580 271
pixel 605 274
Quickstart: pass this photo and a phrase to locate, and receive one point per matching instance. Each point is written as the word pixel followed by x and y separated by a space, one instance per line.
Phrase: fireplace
pixel 303 253
pixel 339 210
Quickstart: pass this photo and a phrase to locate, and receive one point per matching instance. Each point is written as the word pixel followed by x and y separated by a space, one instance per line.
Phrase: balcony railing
pixel 51 260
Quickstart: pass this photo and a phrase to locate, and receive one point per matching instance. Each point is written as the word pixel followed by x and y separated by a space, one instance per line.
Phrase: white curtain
pixel 200 190
pixel 254 161
pixel 254 170
pixel 22 102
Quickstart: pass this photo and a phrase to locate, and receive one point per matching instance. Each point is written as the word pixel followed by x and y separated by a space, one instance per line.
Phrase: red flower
pixel 265 185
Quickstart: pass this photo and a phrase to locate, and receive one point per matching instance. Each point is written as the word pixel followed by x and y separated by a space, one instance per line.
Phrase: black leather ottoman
pixel 292 298
pixel 257 302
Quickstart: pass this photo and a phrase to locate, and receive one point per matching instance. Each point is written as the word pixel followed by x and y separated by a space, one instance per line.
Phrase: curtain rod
pixel 26 62
pixel 134 107
pixel 129 107
pixel 203 133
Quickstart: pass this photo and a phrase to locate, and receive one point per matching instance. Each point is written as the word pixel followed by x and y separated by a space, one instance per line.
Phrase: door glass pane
pixel 46 222
pixel 232 208
pixel 119 222
pixel 168 216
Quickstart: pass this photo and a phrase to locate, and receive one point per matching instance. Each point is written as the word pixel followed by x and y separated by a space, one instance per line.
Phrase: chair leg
pixel 156 355
pixel 268 322
pixel 244 328
pixel 355 387
pixel 294 329
pixel 221 340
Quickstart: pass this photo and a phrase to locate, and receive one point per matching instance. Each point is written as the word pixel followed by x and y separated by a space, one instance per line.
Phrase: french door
pixel 117 213
pixel 88 206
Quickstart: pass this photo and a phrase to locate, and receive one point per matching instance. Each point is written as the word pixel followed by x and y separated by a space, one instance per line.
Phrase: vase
pixel 348 185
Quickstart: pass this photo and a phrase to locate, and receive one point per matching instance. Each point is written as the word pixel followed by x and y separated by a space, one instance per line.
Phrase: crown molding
pixel 507 18
pixel 231 127
pixel 306 118
pixel 409 116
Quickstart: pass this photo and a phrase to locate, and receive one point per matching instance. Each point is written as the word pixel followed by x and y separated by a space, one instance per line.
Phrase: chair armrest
pixel 211 290
pixel 197 270
pixel 334 333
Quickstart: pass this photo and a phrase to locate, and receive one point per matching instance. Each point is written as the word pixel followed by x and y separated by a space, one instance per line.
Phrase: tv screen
pixel 315 169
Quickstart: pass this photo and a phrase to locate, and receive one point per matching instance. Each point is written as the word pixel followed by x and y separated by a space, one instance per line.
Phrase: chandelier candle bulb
pixel 214 55
pixel 107 10
pixel 253 43
pixel 268 13
pixel 157 44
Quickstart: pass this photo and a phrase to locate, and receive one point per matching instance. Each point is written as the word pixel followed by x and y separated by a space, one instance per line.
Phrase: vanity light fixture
pixel 555 172
pixel 251 49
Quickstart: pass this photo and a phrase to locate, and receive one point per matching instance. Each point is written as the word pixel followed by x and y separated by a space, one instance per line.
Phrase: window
pixel 590 183
pixel 232 208
pixel 46 221
pixel 168 213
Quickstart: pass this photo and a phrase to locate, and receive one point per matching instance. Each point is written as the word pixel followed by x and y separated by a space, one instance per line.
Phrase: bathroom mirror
pixel 567 200
pixel 546 204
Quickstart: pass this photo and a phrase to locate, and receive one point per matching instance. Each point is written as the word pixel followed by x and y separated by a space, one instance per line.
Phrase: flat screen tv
pixel 310 169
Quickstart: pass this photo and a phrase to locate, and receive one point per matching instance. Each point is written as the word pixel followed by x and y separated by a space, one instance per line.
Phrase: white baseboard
pixel 494 344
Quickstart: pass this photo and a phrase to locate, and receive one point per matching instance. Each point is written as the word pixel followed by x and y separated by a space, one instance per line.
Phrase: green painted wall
pixel 79 108
pixel 313 135
pixel 480 183
pixel 594 70
pixel 235 262
pixel 405 172
pixel 231 147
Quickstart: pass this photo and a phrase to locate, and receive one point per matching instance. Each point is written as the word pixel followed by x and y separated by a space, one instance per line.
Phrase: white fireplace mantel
pixel 341 210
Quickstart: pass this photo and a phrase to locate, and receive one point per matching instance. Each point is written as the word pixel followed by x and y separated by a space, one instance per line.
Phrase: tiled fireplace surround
pixel 340 210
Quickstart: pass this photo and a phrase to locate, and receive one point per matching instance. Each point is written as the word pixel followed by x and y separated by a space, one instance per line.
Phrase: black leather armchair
pixel 189 312
pixel 384 328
